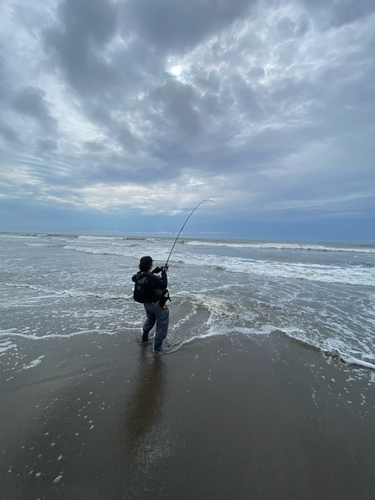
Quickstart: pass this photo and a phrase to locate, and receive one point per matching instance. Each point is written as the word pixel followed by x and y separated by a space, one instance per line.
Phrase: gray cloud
pixel 9 134
pixel 178 104
pixel 94 147
pixel 2 76
pixel 31 101
pixel 85 26
pixel 181 25
pixel 339 12
pixel 46 146
pixel 261 104
pixel 348 11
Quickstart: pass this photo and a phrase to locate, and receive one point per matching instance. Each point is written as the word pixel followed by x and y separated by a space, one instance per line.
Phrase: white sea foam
pixel 59 336
pixel 130 249
pixel 344 273
pixel 281 246
pixel 6 346
pixel 306 271
pixel 94 251
pixel 218 316
pixel 334 347
pixel 25 285
pixel 358 362
pixel 73 292
pixel 89 237
pixel 43 245
pixel 32 364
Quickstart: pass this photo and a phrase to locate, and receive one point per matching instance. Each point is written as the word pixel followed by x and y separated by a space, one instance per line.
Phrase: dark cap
pixel 146 260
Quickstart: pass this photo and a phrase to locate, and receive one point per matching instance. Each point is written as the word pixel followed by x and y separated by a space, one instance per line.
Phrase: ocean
pixel 321 294
pixel 266 389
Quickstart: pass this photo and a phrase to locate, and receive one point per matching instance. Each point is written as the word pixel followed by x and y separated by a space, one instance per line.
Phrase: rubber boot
pixel 157 346
pixel 145 337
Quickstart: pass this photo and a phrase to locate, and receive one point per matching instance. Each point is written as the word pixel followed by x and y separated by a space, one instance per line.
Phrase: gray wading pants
pixel 155 313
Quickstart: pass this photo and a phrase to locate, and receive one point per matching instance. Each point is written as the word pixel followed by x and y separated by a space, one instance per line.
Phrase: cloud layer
pixel 265 106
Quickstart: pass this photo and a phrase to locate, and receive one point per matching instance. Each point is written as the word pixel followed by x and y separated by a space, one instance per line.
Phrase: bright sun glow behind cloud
pixel 176 70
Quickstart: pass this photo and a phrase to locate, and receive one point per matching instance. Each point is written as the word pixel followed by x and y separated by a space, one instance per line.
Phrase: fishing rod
pixel 170 253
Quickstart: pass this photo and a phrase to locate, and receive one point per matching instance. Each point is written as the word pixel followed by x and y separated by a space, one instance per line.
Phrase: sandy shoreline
pixel 224 417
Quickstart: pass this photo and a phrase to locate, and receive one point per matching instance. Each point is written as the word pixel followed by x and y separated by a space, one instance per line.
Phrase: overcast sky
pixel 121 116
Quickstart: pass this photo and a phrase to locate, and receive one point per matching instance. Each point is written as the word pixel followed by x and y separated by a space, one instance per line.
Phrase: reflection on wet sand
pixel 139 426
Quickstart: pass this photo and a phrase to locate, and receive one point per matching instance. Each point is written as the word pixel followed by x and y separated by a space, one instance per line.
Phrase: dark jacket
pixel 155 285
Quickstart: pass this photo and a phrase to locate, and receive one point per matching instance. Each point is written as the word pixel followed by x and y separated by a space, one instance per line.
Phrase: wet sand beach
pixel 224 417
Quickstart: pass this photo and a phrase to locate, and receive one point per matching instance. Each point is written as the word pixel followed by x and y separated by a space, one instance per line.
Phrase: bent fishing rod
pixel 175 241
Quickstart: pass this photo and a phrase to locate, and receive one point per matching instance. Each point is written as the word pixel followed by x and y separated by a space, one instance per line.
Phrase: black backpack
pixel 141 290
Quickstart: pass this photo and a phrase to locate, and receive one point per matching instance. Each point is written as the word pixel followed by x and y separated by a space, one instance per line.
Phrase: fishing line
pixel 170 253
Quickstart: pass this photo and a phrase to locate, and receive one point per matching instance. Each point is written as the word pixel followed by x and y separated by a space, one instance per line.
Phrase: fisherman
pixel 156 295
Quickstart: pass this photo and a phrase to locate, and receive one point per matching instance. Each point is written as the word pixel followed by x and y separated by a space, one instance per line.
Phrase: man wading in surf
pixel 152 291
